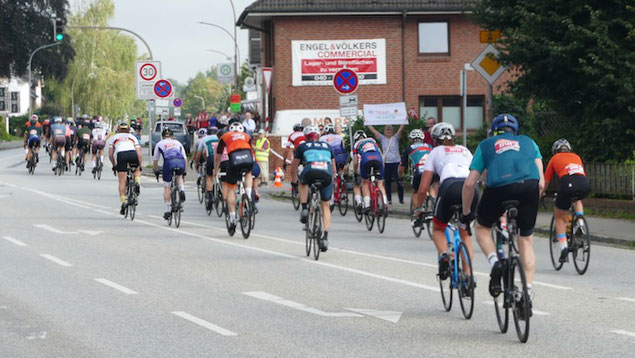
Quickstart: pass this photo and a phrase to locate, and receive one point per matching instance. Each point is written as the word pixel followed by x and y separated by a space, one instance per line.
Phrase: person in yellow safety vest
pixel 262 148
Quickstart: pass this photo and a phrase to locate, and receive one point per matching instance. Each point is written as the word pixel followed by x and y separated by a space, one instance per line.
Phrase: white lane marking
pixel 11 157
pixel 56 260
pixel 64 200
pixel 390 316
pixel 53 230
pixel 116 286
pixel 91 233
pixel 105 212
pixel 534 311
pixel 203 323
pixel 12 240
pixel 623 332
pixel 626 299
pixel 298 306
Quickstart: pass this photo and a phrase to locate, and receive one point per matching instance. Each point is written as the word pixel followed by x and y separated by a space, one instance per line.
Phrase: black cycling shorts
pixel 527 194
pixel 68 144
pixel 241 160
pixel 82 143
pixel 125 158
pixel 209 167
pixel 416 181
pixel 222 168
pixel 450 193
pixel 572 187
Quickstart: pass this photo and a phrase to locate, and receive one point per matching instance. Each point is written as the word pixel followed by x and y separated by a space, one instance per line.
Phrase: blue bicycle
pixel 460 276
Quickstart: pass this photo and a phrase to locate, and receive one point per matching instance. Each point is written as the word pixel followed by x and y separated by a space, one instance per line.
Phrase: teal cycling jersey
pixel 208 143
pixel 314 152
pixel 415 155
pixel 508 158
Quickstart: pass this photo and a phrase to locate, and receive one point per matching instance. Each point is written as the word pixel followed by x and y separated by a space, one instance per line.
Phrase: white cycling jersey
pixel 449 162
pixel 170 149
pixel 99 134
pixel 123 142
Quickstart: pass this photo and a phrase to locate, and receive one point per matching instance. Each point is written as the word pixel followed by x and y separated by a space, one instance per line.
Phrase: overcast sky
pixel 170 28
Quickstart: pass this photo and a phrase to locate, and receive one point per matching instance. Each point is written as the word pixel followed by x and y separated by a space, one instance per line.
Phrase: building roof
pixel 264 7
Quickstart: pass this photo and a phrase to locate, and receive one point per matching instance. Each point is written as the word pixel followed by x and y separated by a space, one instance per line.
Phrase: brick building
pixel 409 51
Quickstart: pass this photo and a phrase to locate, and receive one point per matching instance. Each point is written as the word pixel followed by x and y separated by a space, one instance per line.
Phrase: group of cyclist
pixel 509 163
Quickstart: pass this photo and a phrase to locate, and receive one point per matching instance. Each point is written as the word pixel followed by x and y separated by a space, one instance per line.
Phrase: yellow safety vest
pixel 262 155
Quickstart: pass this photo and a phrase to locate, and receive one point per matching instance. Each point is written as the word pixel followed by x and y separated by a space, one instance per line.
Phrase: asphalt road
pixel 77 280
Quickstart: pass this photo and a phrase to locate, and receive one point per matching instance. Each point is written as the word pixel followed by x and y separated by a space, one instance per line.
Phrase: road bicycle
pixel 340 194
pixel 460 274
pixel 79 167
pixel 378 210
pixel 295 196
pixel 217 196
pixel 176 201
pixel 243 208
pixel 99 166
pixel 131 193
pixel 424 219
pixel 60 164
pixel 313 225
pixel 578 241
pixel 515 295
pixel 32 162
pixel 201 189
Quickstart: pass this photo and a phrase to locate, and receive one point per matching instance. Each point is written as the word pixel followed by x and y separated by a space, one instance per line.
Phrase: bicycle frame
pixel 454 241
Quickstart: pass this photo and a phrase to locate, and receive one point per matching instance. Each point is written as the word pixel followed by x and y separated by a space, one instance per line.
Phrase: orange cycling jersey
pixel 564 164
pixel 233 141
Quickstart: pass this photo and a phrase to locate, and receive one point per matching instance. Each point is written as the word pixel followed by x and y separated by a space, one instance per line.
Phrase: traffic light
pixel 58 30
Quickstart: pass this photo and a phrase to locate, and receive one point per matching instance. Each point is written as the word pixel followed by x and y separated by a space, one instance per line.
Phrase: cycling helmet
pixel 99 118
pixel 34 117
pixel 233 120
pixel 504 121
pixel 223 120
pixel 201 132
pixel 561 145
pixel 57 119
pixel 236 127
pixel 329 129
pixel 312 132
pixel 85 116
pixel 443 130
pixel 70 120
pixel 212 130
pixel 167 132
pixel 416 134
pixel 359 135
pixel 123 127
pixel 99 125
pixel 298 127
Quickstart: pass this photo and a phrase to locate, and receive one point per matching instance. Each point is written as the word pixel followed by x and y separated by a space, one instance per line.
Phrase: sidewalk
pixel 611 231
pixel 11 144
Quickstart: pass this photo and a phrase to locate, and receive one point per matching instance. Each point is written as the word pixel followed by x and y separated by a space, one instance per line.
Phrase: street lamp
pixel 202 99
pixel 236 50
pixel 229 58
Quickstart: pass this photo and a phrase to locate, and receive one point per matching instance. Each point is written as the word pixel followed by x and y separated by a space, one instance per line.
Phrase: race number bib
pixel 319 166
pixel 574 169
pixel 86 136
pixel 367 147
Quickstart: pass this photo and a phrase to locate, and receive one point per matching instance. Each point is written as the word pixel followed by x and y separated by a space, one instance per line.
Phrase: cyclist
pixel 513 166
pixel 32 139
pixel 46 132
pixel 573 182
pixel 98 136
pixel 196 158
pixel 174 156
pixel 136 125
pixel 336 142
pixel 294 141
pixel 240 159
pixel 415 157
pixel 319 164
pixel 70 133
pixel 123 151
pixel 83 141
pixel 206 149
pixel 367 156
pixel 58 138
pixel 451 162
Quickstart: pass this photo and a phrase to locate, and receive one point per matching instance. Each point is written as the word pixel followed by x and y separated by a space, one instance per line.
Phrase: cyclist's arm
pixel 294 169
pixel 541 182
pixel 548 175
pixel 111 154
pixel 424 186
pixel 401 127
pixel 468 190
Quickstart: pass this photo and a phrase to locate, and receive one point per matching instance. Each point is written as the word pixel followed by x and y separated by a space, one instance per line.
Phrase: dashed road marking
pixel 623 332
pixel 14 241
pixel 56 260
pixel 203 323
pixel 116 286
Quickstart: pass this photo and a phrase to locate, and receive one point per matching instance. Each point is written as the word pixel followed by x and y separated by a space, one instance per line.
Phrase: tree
pixel 26 25
pixel 579 58
pixel 203 85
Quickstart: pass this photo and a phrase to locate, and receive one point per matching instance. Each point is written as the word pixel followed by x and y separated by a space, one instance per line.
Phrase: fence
pixel 611 179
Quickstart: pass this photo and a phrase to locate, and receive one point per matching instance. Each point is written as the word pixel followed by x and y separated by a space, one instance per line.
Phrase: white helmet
pixel 236 127
pixel 70 120
pixel 416 134
pixel 201 132
pixel 99 125
pixel 57 119
pixel 223 119
pixel 561 144
pixel 311 129
pixel 443 130
pixel 359 135
pixel 34 117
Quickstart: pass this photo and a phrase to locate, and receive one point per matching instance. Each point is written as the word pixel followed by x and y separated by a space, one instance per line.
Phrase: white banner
pixel 315 62
pixel 284 120
pixel 387 113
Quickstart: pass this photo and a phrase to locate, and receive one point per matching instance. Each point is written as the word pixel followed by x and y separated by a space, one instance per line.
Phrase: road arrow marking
pixel 91 233
pixel 298 306
pixel 53 230
pixel 390 316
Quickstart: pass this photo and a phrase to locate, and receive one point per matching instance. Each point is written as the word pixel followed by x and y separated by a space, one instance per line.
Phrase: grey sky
pixel 170 28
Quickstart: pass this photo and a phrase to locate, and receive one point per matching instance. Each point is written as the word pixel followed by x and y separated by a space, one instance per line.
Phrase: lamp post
pixel 236 51
pixel 466 67
pixel 30 59
pixel 202 99
pixel 229 58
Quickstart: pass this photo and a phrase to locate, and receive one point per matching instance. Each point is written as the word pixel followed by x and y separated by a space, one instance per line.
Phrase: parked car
pixel 177 128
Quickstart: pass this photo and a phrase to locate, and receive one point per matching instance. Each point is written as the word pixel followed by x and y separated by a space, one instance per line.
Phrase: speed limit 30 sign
pixel 146 75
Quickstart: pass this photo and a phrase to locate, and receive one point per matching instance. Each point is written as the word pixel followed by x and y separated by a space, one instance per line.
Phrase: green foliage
pixel 579 58
pixel 26 25
pixel 204 85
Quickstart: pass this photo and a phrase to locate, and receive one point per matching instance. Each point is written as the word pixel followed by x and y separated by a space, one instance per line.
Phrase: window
pixel 434 38
pixel 474 113
pixel 429 108
pixel 448 109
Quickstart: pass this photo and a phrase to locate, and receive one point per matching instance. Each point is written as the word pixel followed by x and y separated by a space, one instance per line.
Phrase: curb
pixel 11 144
pixel 623 243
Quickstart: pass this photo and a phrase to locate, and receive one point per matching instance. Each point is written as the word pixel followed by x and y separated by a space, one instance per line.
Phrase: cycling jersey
pixel 99 134
pixel 317 158
pixel 34 133
pixel 508 158
pixel 69 132
pixel 233 141
pixel 416 155
pixel 365 145
pixel 170 149
pixel 563 164
pixel 295 139
pixel 123 142
pixel 208 145
pixel 449 162
pixel 83 135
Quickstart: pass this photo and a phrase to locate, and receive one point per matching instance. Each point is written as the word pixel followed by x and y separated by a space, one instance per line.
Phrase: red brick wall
pixel 431 75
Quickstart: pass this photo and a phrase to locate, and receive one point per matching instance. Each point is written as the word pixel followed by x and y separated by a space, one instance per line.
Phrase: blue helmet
pixel 504 120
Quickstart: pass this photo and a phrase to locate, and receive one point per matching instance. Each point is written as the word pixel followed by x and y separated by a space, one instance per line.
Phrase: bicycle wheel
pixel 381 212
pixel 342 205
pixel 359 215
pixel 466 281
pixel 172 203
pixel 581 245
pixel 429 210
pixel 178 208
pixel 554 246
pixel 244 210
pixel 502 310
pixel 252 217
pixel 295 198
pixel 416 229
pixel 520 298
pixel 132 206
pixel 199 190
pixel 230 230
pixel 446 289
pixel 308 236
pixel 316 231
pixel 369 219
pixel 219 203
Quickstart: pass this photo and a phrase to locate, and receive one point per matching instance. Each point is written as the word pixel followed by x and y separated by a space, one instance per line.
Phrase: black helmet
pixel 167 132
pixel 212 130
pixel 298 127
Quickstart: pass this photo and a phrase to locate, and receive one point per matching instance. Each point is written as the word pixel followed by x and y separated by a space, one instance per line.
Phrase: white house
pixel 14 96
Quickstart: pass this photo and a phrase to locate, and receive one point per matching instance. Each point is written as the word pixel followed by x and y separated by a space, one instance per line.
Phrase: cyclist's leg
pixel 526 221
pixel 489 210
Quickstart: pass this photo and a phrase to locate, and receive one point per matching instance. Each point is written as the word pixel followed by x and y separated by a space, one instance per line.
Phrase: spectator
pixel 189 124
pixel 213 122
pixel 328 121
pixel 390 146
pixel 257 119
pixel 249 123
pixel 202 120
pixel 430 122
pixel 262 148
pixel 306 122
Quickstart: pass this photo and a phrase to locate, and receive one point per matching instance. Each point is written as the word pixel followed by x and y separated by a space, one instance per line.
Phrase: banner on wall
pixel 315 62
pixel 387 113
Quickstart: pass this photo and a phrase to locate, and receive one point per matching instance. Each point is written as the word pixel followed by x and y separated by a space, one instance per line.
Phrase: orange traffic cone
pixel 277 181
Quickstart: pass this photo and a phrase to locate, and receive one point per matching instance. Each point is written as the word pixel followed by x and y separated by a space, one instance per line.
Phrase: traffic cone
pixel 277 181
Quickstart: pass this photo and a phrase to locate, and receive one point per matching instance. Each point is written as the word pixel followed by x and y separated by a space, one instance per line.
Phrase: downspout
pixel 403 56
